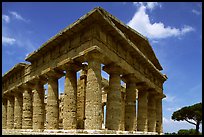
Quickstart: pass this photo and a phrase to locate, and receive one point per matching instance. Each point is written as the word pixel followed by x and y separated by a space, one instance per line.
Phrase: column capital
pixel 18 89
pixel 38 79
pixel 142 86
pixel 27 85
pixel 54 73
pixel 5 94
pixel 75 66
pixel 13 90
pixel 112 69
pixel 130 78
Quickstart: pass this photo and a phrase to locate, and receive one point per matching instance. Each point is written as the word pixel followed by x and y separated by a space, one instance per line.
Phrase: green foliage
pixel 184 132
pixel 187 132
pixel 191 114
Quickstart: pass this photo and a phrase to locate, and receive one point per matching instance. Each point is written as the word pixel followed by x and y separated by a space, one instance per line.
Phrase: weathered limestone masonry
pixel 114 99
pixel 96 42
pixel 27 108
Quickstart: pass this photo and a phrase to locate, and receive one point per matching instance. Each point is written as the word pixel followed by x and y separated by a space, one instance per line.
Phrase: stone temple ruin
pixel 96 39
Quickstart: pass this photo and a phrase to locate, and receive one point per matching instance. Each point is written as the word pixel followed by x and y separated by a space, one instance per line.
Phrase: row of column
pixel 26 110
pixel 149 117
pixel 25 107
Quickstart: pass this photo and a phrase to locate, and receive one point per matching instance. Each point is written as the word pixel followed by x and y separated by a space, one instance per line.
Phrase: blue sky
pixel 173 30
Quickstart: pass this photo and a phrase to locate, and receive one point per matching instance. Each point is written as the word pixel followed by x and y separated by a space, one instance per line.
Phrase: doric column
pixel 122 122
pixel 151 113
pixel 103 113
pixel 4 112
pixel 52 107
pixel 38 105
pixel 93 107
pixel 70 98
pixel 114 98
pixel 18 107
pixel 159 127
pixel 10 112
pixel 130 103
pixel 27 122
pixel 142 111
pixel 81 92
pixel 104 100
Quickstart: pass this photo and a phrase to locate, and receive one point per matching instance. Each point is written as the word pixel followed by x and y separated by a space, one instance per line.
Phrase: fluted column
pixel 114 112
pixel 151 113
pixel 122 122
pixel 142 111
pixel 10 112
pixel 18 107
pixel 4 112
pixel 104 100
pixel 81 92
pixel 103 113
pixel 93 107
pixel 52 108
pixel 27 122
pixel 70 98
pixel 159 127
pixel 38 106
pixel 130 103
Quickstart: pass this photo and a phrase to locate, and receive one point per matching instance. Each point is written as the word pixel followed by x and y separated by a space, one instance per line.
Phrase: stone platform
pixel 73 132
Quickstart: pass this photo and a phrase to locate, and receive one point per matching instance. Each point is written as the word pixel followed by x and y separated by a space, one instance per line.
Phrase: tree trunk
pixel 197 128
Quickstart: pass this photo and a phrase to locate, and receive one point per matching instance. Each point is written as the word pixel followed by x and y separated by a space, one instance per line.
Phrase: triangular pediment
pixel 138 39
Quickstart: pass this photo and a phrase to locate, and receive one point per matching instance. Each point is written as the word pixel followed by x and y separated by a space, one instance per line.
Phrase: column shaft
pixel 122 122
pixel 38 106
pixel 10 112
pixel 27 109
pixel 4 113
pixel 93 108
pixel 130 107
pixel 81 92
pixel 52 108
pixel 70 96
pixel 103 113
pixel 114 106
pixel 159 127
pixel 18 110
pixel 151 113
pixel 142 111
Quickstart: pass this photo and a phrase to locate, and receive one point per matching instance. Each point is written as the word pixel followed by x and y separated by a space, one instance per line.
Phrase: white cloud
pixel 141 23
pixel 186 29
pixel 155 41
pixel 17 16
pixel 195 12
pixel 148 5
pixel 152 5
pixel 21 40
pixel 6 18
pixel 8 40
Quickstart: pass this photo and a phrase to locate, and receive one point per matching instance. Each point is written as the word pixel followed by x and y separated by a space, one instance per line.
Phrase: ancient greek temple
pixel 96 42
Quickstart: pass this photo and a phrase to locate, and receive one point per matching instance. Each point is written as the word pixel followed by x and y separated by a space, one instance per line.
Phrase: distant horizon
pixel 173 29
